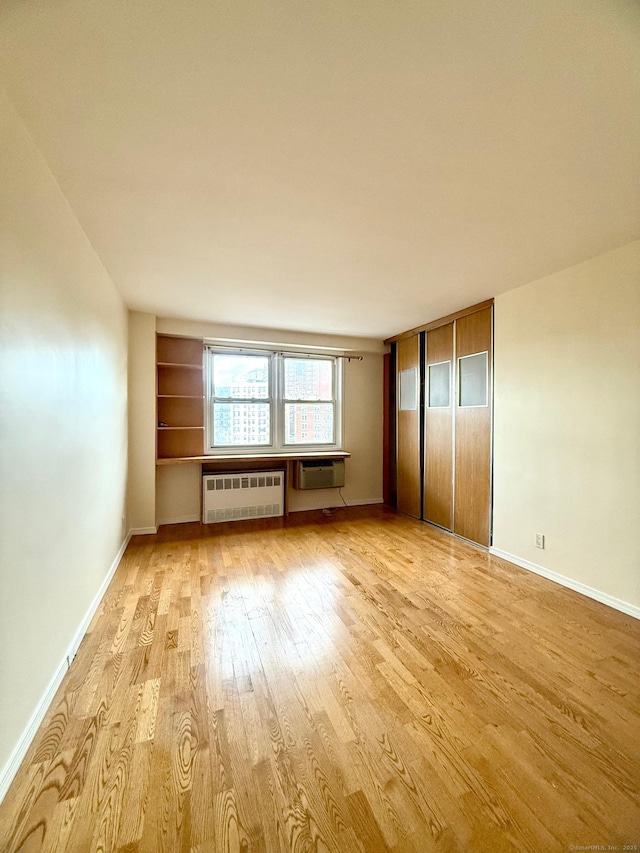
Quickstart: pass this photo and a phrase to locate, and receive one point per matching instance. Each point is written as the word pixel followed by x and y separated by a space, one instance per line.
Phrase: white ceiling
pixel 355 167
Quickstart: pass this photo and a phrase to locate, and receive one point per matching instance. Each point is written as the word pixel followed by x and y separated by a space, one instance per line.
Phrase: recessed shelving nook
pixel 180 397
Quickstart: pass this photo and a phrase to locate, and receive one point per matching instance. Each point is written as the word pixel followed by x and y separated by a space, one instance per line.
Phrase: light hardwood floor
pixel 356 683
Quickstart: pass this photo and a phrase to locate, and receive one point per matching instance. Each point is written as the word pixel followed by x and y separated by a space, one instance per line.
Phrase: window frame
pixel 211 399
pixel 277 401
pixel 335 401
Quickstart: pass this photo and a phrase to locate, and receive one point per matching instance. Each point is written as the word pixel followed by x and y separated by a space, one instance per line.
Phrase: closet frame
pixel 453 460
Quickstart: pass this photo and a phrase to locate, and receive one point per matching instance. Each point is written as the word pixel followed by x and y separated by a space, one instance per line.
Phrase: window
pixel 262 401
pixel 439 385
pixel 240 390
pixel 306 382
pixel 408 389
pixel 473 372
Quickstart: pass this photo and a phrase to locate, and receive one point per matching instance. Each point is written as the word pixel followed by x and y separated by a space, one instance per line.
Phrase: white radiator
pixel 230 497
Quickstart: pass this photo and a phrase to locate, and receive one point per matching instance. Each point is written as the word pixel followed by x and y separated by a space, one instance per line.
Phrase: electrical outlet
pixel 539 540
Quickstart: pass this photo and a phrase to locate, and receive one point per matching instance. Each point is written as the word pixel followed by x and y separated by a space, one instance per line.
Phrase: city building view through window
pixel 311 381
pixel 240 384
pixel 248 390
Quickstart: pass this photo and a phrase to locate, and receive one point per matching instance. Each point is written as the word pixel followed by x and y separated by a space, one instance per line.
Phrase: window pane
pixel 308 379
pixel 308 424
pixel 408 389
pixel 241 424
pixel 439 385
pixel 240 376
pixel 473 379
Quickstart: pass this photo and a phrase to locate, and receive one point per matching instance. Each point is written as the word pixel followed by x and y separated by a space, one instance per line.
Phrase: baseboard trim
pixel 366 502
pixel 589 591
pixel 143 531
pixel 16 758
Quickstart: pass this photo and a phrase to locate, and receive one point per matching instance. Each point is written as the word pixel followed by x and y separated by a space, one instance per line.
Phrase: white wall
pixel 178 486
pixel 63 430
pixel 567 423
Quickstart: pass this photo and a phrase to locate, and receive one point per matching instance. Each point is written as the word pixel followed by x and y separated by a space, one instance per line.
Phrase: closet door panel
pixel 472 502
pixel 438 458
pixel 389 492
pixel 408 473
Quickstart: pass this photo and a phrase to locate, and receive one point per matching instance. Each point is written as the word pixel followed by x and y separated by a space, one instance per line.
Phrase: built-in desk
pixel 232 458
pixel 241 462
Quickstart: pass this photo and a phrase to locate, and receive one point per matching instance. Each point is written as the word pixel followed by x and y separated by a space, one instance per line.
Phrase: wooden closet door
pixel 472 502
pixel 438 450
pixel 389 430
pixel 408 472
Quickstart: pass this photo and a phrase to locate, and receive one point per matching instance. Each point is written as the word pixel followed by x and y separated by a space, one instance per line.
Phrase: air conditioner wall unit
pixel 231 497
pixel 319 474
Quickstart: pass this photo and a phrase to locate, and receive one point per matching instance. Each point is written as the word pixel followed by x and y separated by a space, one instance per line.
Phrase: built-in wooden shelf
pixel 174 381
pixel 232 458
pixel 176 350
pixel 187 366
pixel 180 412
pixel 168 426
pixel 180 398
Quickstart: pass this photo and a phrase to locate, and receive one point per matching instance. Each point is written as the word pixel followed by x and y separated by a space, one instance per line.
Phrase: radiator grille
pixel 231 513
pixel 230 497
pixel 253 481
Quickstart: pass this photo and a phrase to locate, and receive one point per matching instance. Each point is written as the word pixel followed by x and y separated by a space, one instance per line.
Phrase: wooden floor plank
pixel 359 683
